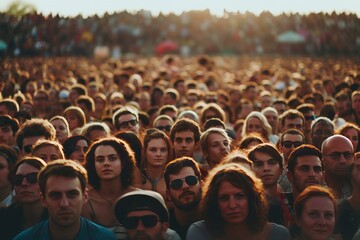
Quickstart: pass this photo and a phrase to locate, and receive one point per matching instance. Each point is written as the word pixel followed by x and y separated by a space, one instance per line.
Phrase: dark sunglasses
pixel 126 123
pixel 164 128
pixel 288 144
pixel 30 177
pixel 178 183
pixel 27 148
pixel 337 155
pixel 148 221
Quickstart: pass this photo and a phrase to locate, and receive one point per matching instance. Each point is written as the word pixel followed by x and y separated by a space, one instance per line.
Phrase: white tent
pixel 290 37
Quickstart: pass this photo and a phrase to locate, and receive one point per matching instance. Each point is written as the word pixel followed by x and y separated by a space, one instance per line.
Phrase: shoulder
pixel 172 235
pixel 39 231
pixel 278 232
pixel 198 231
pixel 91 230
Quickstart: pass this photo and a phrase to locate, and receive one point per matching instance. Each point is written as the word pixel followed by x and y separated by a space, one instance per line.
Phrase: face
pixel 47 153
pixel 80 150
pixel 163 125
pixel 272 119
pixel 64 200
pixel 72 120
pixel 353 136
pixel 254 125
pixel 280 108
pixel 338 167
pixel 320 132
pixel 296 123
pixel 184 144
pixel 233 203
pixel 188 196
pixel 28 142
pixel 355 174
pixel 61 130
pixel 266 101
pixel 210 114
pixel 97 134
pixel 294 139
pixel 27 192
pixel 4 172
pixel 317 220
pixel 218 147
pixel 308 171
pixel 99 104
pixel 157 152
pixel 6 135
pixel 107 162
pixel 126 118
pixel 266 168
pixel 141 232
pixel 356 103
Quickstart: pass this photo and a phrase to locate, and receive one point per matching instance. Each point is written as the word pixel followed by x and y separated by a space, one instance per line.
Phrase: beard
pixel 189 206
pixel 144 236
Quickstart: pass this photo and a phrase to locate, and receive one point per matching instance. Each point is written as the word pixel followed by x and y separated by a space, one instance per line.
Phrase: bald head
pixel 336 139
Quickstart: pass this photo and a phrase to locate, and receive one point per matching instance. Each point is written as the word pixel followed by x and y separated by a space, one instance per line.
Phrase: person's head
pixel 163 123
pixel 110 158
pixel 145 206
pixel 238 126
pixel 321 129
pixel 95 130
pixel 31 131
pixel 256 122
pixel 211 110
pixel 338 155
pixel 289 140
pixel 231 189
pixel 239 157
pixel 190 114
pixel 8 158
pixel 171 96
pixel 183 183
pixel 355 173
pixel 75 116
pixel 280 106
pixel 315 213
pixel 9 107
pixel 75 147
pixel 305 168
pixel 215 144
pixel 157 150
pixel 62 128
pixel 267 162
pixel 250 141
pixel 273 118
pixel 185 136
pixel 23 178
pixel 8 129
pixel 63 189
pixel 134 142
pixel 213 122
pixel 307 109
pixel 355 101
pixel 126 118
pixel 76 91
pixel 292 119
pixel 48 150
pixel 352 132
pixel 169 110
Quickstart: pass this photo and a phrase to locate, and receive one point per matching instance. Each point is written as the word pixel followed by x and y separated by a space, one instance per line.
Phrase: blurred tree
pixel 19 8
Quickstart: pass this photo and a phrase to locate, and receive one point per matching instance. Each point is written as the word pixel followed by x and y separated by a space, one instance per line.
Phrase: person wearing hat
pixel 8 128
pixel 144 215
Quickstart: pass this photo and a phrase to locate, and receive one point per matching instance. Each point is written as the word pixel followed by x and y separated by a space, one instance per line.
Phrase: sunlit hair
pixel 266 148
pixel 303 150
pixel 77 112
pixel 205 135
pixel 240 178
pixel 266 128
pixel 250 138
pixel 152 134
pixel 45 143
pixel 239 157
pixel 219 112
pixel 61 118
pixel 348 126
pixel 126 156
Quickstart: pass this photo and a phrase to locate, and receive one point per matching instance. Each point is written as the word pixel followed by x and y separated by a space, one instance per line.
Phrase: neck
pixel 188 217
pixel 335 183
pixel 59 232
pixel 354 199
pixel 237 231
pixel 32 213
pixel 110 189
pixel 154 172
pixel 5 192
pixel 271 190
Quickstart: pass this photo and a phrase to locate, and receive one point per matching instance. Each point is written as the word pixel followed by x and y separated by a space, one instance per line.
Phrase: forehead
pixel 262 156
pixel 184 134
pixel 62 184
pixel 185 171
pixel 163 122
pixel 140 213
pixel 338 144
pixel 157 142
pixel 293 120
pixel 323 125
pixel 104 149
pixel 213 137
pixel 292 137
pixel 126 117
pixel 57 122
pixel 254 120
pixel 308 161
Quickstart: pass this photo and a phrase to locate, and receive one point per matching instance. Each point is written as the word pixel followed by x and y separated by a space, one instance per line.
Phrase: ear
pixel 42 200
pixel 164 227
pixel 86 195
pixel 201 183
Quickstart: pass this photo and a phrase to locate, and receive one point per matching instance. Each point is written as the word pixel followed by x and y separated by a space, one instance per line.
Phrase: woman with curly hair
pixel 234 207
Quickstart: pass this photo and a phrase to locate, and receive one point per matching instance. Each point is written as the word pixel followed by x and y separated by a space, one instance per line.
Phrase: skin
pixel 233 203
pixel 80 150
pixel 317 220
pixel 4 172
pixel 320 132
pixel 296 123
pixel 107 162
pixel 128 117
pixel 48 153
pixel 184 144
pixel 157 153
pixel 30 141
pixel 273 120
pixel 266 168
pixel 27 192
pixel 72 120
pixel 254 125
pixel 6 135
pixel 353 136
pixel 218 146
pixel 163 123
pixel 61 131
pixel 287 151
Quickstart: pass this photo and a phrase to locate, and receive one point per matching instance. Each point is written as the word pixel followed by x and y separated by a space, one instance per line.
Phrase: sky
pixel 91 7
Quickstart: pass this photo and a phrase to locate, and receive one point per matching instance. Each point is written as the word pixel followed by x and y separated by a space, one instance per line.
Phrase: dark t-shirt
pixel 174 225
pixel 347 221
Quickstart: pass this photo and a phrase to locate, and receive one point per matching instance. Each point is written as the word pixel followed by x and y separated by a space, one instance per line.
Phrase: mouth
pixel 267 176
pixel 312 182
pixel 185 194
pixel 106 171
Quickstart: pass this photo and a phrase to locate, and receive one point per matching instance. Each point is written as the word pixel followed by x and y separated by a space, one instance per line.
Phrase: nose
pixel 64 201
pixel 140 226
pixel 232 203
pixel 342 159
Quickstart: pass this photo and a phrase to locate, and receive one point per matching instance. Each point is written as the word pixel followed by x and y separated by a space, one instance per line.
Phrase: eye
pixel 240 196
pixel 223 198
pixel 54 195
pixel 99 159
pixel 273 162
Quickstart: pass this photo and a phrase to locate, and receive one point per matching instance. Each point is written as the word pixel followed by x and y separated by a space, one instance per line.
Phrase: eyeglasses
pixel 178 183
pixel 308 118
pixel 336 155
pixel 148 221
pixel 27 148
pixel 125 124
pixel 164 128
pixel 288 144
pixel 30 177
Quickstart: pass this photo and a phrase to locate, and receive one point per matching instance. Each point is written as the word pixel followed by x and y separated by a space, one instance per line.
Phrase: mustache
pixel 186 193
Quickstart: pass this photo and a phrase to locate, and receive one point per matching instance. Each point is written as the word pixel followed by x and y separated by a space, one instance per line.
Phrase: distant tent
pixel 3 45
pixel 290 37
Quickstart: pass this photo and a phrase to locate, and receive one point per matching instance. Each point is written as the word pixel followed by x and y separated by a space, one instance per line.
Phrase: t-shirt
pixel 88 230
pixel 174 225
pixel 347 220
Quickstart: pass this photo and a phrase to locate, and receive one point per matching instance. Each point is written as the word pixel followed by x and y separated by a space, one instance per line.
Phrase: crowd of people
pixel 194 32
pixel 180 148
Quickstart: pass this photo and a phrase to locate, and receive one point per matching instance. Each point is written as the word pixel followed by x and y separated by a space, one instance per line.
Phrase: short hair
pixel 35 162
pixel 247 140
pixel 212 107
pixel 305 107
pixel 87 101
pixel 291 114
pixel 69 144
pixel 322 120
pixel 303 150
pixel 79 88
pixel 34 128
pixel 10 155
pixel 204 137
pixel 355 93
pixel 183 125
pixel 291 131
pixel 126 156
pixel 166 108
pixel 123 111
pixel 10 104
pixel 43 143
pixel 64 168
pixel 78 112
pixel 266 148
pixel 189 114
pixel 176 165
pixel 241 178
pixel 213 122
pixel 89 127
pixel 173 93
pixel 6 120
pixel 239 157
pixel 61 118
pixel 163 117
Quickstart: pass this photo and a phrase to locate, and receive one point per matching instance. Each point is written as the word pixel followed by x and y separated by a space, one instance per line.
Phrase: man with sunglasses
pixel 163 123
pixel 126 119
pixel 183 186
pixel 63 192
pixel 338 155
pixel 144 215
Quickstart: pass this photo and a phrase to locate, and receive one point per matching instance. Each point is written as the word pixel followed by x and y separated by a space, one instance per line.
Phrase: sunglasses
pixel 337 155
pixel 178 183
pixel 125 124
pixel 148 221
pixel 164 128
pixel 30 177
pixel 288 144
pixel 27 148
